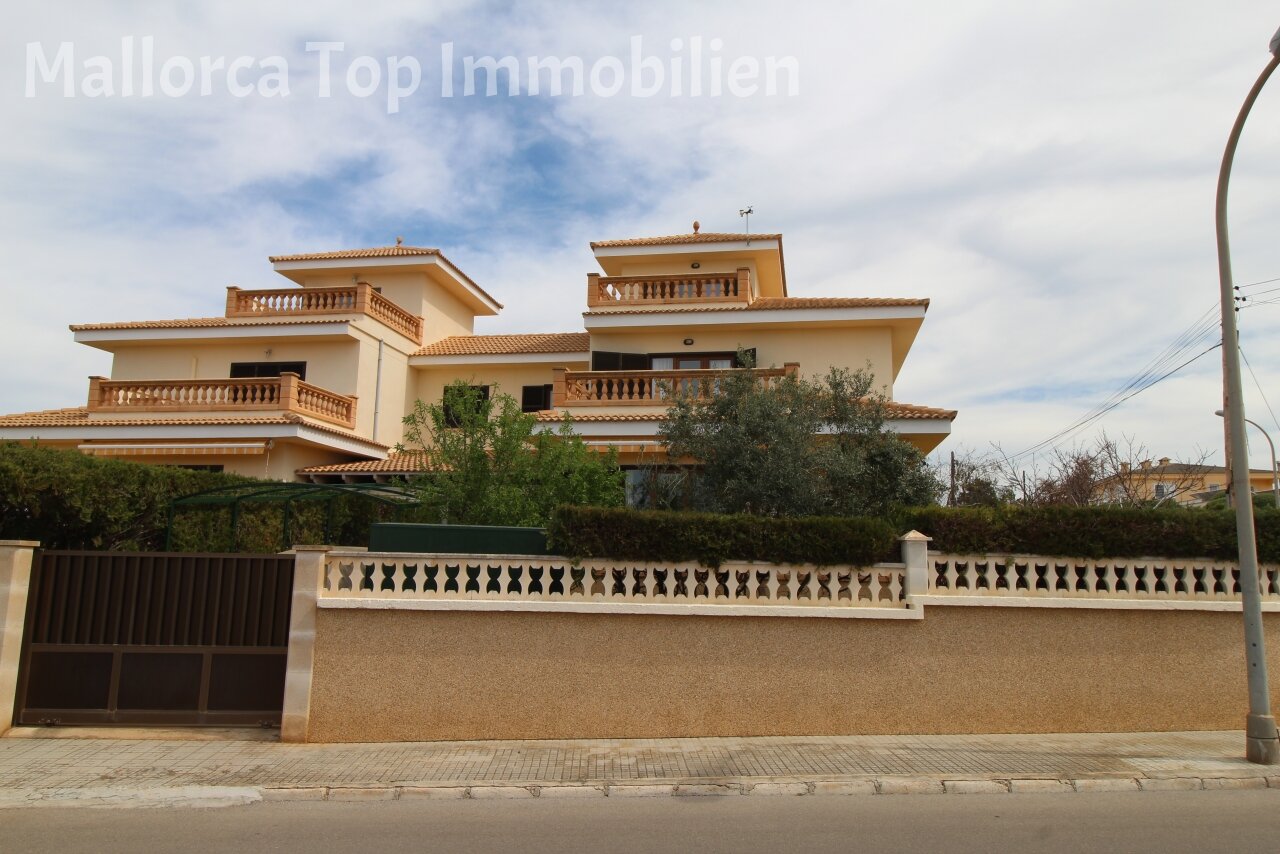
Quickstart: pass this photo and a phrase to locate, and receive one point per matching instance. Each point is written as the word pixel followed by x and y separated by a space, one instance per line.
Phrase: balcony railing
pixel 649 388
pixel 285 393
pixel 623 291
pixel 349 299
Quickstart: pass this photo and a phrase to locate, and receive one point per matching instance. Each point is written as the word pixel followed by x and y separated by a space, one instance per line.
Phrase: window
pixel 1162 490
pixel 606 361
pixel 692 361
pixel 453 403
pixel 244 370
pixel 535 398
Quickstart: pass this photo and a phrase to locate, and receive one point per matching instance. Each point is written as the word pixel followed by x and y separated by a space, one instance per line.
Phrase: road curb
pixel 220 796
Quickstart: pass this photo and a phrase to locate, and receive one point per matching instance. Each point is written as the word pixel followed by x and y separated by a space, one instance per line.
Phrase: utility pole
pixel 951 494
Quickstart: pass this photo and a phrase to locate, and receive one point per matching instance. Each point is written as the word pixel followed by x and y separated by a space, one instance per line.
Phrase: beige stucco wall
pixel 429 383
pixel 330 364
pixel 280 463
pixel 816 349
pixel 442 313
pixel 426 675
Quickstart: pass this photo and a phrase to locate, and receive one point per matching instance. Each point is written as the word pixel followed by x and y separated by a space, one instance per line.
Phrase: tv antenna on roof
pixel 746 213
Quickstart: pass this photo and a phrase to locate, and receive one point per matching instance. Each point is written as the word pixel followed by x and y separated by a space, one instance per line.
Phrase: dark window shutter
pixel 633 361
pixel 247 370
pixel 535 398
pixel 602 360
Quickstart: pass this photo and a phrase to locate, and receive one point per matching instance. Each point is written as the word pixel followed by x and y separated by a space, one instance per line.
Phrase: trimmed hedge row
pixel 1090 532
pixel 67 500
pixel 1086 532
pixel 711 539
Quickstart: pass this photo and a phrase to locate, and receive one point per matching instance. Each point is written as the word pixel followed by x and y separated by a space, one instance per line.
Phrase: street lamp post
pixel 1262 742
pixel 1275 464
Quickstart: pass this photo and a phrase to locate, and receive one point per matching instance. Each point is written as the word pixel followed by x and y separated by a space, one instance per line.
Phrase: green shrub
pixel 65 499
pixel 711 539
pixel 1090 532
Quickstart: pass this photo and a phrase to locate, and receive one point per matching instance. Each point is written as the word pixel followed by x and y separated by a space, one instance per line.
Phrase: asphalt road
pixel 1238 822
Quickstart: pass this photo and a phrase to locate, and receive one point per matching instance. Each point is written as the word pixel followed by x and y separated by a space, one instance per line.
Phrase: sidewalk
pixel 60 766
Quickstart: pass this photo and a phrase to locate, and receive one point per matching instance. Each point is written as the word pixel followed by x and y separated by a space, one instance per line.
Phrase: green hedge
pixel 1090 532
pixel 1087 532
pixel 710 539
pixel 67 500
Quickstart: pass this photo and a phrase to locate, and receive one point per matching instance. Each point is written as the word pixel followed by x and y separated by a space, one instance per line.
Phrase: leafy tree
pixel 796 447
pixel 489 464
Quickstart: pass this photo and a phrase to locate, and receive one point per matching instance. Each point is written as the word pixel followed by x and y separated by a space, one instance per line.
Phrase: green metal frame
pixel 286 493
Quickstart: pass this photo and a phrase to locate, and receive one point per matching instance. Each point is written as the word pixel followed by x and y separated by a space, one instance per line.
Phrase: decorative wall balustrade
pixel 549 583
pixel 1167 579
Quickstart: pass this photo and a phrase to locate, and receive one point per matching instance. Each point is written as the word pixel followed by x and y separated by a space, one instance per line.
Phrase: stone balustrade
pixel 360 298
pixel 1117 579
pixel 518 583
pixel 285 393
pixel 649 388
pixel 604 292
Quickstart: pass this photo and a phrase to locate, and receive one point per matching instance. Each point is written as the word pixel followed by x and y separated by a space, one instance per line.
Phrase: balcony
pixel 649 388
pixel 606 292
pixel 285 393
pixel 302 302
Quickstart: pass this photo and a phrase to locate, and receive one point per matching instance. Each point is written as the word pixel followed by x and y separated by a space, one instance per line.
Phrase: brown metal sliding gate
pixel 155 638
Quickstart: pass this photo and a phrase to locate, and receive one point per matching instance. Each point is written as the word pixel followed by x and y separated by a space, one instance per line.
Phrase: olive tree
pixel 488 463
pixel 796 447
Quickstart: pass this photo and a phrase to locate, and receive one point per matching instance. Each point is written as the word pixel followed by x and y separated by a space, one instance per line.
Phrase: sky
pixel 1044 173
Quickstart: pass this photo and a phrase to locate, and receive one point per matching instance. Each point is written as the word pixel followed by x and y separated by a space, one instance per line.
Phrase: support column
pixel 15 580
pixel 915 554
pixel 308 577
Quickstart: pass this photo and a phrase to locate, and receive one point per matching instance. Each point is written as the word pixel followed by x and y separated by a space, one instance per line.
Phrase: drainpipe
pixel 377 391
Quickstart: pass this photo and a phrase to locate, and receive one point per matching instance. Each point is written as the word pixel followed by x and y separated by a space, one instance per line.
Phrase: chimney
pixel 1124 468
pixel 1164 461
pixel 1145 464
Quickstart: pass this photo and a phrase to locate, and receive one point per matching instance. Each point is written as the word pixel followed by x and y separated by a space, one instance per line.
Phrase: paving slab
pixel 66 765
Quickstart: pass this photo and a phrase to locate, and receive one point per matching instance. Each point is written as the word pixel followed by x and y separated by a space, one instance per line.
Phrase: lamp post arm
pixel 1262 742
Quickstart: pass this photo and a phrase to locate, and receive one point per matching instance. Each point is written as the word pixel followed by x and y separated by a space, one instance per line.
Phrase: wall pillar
pixel 15 580
pixel 915 554
pixel 308 576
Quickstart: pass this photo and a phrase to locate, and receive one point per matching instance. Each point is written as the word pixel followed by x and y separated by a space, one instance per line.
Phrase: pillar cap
pixel 914 537
pixel 21 544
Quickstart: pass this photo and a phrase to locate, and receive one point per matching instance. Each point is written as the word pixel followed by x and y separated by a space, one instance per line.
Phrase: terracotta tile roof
pixel 779 304
pixel 910 412
pixel 397 251
pixel 677 239
pixel 406 463
pixel 373 252
pixel 199 323
pixel 78 416
pixel 893 409
pixel 477 345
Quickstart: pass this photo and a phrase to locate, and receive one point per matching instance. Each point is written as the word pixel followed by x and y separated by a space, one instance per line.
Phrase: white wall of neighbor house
pixel 429 382
pixel 816 349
